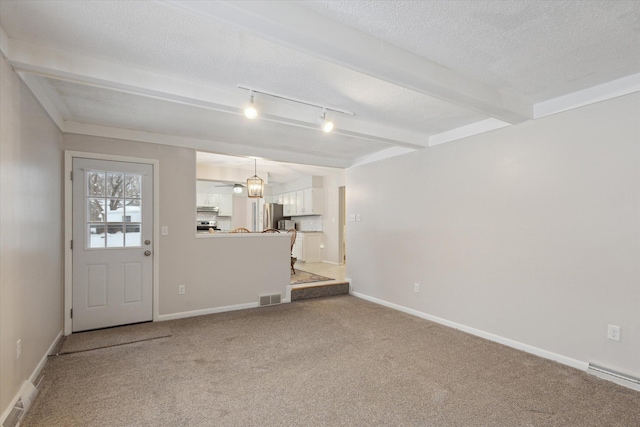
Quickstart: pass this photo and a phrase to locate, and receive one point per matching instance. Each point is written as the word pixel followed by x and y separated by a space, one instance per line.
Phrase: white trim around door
pixel 68 228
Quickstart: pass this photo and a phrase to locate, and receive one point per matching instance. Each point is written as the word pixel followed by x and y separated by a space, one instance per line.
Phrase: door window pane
pixel 96 209
pixel 114 209
pixel 115 184
pixel 133 236
pixel 95 183
pixel 133 186
pixel 115 236
pixel 133 211
pixel 133 221
pixel 96 236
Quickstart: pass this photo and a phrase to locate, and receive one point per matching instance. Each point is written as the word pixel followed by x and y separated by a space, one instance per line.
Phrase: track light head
pixel 250 111
pixel 327 125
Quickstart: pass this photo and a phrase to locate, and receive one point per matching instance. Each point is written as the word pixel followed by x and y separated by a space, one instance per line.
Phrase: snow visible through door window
pixel 114 209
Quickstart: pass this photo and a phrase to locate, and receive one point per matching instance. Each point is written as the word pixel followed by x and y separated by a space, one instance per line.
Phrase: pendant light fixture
pixel 255 184
pixel 250 111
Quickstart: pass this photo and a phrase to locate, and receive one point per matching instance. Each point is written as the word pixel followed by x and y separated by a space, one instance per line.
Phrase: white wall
pixel 331 217
pixel 31 262
pixel 531 232
pixel 215 271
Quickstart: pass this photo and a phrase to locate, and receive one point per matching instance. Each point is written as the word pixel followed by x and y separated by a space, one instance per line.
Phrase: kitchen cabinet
pixel 312 201
pixel 289 202
pixel 311 251
pixel 308 202
pixel 284 201
pixel 307 247
pixel 299 207
pixel 211 195
pixel 206 199
pixel 225 203
pixel 301 202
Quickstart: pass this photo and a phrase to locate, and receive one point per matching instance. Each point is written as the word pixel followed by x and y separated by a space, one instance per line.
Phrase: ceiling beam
pixel 220 147
pixel 52 63
pixel 301 29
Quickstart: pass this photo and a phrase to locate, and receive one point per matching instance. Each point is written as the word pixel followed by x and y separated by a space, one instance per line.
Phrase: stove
pixel 206 225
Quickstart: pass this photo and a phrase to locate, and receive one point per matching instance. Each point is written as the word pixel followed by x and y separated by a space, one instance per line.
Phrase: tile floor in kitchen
pixel 336 272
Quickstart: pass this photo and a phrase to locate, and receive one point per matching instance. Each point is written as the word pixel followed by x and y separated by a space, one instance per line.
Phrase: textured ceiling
pixel 535 50
pixel 411 71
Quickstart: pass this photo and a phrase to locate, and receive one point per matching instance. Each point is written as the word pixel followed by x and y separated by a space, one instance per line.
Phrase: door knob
pixel 147 242
pixel 147 253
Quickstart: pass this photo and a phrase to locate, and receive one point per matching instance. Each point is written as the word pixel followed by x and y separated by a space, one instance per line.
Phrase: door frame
pixel 342 223
pixel 68 228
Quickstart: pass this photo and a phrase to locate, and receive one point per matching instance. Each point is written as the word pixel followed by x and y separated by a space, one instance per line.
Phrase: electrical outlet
pixel 613 332
pixel 182 290
pixel 18 349
pixel 416 287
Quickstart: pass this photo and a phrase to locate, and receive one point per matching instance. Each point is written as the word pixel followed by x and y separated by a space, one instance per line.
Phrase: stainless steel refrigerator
pixel 271 214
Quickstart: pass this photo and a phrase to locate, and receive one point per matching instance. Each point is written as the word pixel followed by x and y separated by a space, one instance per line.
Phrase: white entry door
pixel 112 247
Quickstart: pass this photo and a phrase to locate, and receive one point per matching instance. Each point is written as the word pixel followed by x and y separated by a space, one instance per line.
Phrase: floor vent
pixel 270 299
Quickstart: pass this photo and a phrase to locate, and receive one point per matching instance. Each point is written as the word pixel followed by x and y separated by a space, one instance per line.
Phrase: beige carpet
pixel 338 361
pixel 92 340
pixel 305 277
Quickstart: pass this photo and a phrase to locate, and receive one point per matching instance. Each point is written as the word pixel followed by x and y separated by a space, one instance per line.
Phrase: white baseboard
pixel 202 312
pixel 44 359
pixel 331 262
pixel 32 378
pixel 574 363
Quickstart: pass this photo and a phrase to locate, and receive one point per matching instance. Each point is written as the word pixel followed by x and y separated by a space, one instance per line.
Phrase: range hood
pixel 207 209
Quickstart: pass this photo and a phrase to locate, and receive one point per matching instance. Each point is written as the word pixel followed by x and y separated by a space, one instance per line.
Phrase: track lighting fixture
pixel 250 111
pixel 327 125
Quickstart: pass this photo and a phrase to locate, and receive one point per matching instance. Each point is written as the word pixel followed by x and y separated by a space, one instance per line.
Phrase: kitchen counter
pixel 206 234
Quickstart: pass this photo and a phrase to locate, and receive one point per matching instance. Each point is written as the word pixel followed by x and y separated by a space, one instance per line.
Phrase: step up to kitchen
pixel 319 291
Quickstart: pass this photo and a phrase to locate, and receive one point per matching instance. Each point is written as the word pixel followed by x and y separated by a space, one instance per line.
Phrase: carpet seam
pixel 108 346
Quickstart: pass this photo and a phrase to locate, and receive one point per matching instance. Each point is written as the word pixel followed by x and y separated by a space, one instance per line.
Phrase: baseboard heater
pixel 28 394
pixel 617 377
